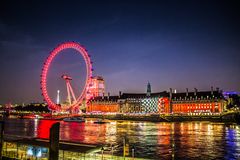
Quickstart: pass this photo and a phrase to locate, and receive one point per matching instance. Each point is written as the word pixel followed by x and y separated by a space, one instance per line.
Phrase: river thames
pixel 185 140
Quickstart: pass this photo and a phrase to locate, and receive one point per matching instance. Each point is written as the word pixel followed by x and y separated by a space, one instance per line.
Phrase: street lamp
pixel 102 149
pixel 133 153
pixel 112 150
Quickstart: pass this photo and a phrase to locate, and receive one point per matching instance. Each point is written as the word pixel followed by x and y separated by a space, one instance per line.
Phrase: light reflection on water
pixel 186 140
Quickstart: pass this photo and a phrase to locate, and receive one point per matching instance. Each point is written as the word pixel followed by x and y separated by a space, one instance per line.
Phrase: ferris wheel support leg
pixel 68 92
pixel 71 91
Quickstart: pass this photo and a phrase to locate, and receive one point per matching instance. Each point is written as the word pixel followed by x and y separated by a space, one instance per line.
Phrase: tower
pixel 148 89
pixel 58 97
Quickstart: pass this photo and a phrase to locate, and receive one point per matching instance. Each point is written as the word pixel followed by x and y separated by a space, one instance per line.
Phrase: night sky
pixel 187 44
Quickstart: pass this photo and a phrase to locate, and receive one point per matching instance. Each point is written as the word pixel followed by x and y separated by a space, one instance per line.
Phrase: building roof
pixel 129 95
pixel 144 95
pixel 182 95
pixel 105 98
pixel 202 94
pixel 98 78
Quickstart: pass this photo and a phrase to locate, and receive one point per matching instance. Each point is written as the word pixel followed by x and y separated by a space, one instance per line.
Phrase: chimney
pixel 170 93
pixel 120 93
pixel 195 91
pixel 186 92
pixel 211 90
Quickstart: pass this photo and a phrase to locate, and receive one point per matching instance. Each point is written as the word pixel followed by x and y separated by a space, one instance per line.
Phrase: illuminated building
pixel 191 103
pixel 197 103
pixel 233 99
pixel 163 105
pixel 130 102
pixel 103 104
pixel 141 102
pixel 98 86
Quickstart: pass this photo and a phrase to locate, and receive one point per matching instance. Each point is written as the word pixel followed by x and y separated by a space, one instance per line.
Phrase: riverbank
pixel 233 117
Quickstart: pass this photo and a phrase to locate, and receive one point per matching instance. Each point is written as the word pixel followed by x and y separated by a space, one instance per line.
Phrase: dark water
pixel 187 140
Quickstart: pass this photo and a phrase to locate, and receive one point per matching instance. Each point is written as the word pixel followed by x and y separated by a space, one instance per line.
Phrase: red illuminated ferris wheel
pixel 85 92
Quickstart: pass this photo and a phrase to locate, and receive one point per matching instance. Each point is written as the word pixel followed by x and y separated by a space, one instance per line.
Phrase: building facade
pixel 191 103
pixel 197 103
pixel 103 104
pixel 142 103
pixel 97 87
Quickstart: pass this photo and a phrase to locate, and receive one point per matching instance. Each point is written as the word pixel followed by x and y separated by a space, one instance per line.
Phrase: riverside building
pixel 97 87
pixel 191 103
pixel 197 103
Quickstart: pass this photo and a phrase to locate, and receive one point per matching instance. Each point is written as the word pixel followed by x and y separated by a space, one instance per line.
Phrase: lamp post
pixel 133 153
pixel 112 150
pixel 102 152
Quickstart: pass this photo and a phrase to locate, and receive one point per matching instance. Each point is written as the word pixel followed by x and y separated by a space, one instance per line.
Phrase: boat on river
pixel 99 121
pixel 74 119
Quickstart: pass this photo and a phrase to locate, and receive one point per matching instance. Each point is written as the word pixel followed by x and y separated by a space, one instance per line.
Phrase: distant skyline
pixel 171 44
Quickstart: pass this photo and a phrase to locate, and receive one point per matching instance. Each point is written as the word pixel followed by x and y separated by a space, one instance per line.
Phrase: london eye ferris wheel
pixel 84 95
